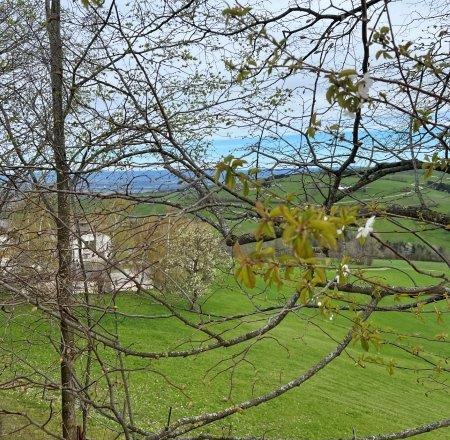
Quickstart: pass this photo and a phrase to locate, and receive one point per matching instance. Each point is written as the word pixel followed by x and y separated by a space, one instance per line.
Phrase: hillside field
pixel 366 398
pixel 395 189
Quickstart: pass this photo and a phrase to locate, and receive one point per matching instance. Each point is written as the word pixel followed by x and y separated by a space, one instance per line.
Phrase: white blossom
pixel 364 86
pixel 368 79
pixel 193 252
pixel 345 112
pixel 365 230
pixel 345 270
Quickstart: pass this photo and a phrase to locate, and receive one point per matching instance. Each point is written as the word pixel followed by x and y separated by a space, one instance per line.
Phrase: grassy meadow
pixel 389 190
pixel 350 394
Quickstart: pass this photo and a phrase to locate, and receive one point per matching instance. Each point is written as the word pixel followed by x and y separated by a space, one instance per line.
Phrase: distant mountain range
pixel 154 180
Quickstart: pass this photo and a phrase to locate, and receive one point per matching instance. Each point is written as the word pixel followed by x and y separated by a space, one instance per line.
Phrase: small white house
pixel 4 232
pixel 96 274
pixel 93 247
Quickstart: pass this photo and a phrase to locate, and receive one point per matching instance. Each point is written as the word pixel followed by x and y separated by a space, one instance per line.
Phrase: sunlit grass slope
pixel 342 398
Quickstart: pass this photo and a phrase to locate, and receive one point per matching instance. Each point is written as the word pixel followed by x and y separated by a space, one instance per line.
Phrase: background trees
pixel 329 101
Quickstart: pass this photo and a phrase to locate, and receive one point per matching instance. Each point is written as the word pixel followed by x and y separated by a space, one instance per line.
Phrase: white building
pixel 4 232
pixel 97 274
pixel 92 248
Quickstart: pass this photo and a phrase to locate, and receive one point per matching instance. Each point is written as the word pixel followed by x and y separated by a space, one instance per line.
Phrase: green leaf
pixel 245 188
pixel 247 276
pixel 365 344
pixel 416 124
pixel 347 72
pixel 229 179
pixel 310 132
pixel 237 11
pixel 390 368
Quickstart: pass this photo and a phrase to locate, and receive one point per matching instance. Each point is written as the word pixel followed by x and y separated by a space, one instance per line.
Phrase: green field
pixel 395 189
pixel 351 395
pixel 337 400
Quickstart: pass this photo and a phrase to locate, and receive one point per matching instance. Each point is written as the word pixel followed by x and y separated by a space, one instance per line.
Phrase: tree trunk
pixel 63 222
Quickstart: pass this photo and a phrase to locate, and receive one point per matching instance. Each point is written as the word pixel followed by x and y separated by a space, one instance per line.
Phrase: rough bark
pixel 63 221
